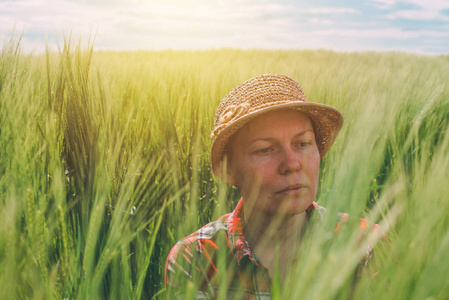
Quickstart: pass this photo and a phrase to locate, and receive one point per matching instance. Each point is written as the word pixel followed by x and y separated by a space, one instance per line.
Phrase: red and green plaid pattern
pixel 195 260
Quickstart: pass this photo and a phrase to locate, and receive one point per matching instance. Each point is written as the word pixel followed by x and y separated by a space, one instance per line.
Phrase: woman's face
pixel 275 161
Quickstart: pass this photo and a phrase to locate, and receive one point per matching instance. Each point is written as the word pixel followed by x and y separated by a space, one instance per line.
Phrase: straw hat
pixel 267 93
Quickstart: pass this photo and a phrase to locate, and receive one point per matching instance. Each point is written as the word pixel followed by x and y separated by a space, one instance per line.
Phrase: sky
pixel 417 26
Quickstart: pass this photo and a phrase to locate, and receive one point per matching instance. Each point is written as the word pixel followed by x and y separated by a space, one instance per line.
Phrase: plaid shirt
pixel 194 261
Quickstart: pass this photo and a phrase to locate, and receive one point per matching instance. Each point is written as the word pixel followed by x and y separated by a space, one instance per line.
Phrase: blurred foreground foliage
pixel 104 165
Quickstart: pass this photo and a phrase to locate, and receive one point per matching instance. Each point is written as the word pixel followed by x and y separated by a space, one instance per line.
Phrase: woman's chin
pixel 290 206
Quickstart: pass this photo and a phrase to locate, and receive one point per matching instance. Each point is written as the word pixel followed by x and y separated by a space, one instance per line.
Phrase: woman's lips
pixel 291 190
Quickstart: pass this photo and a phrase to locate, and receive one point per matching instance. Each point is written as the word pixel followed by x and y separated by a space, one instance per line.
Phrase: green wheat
pixel 104 165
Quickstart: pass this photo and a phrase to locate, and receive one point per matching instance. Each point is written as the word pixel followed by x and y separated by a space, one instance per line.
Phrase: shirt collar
pixel 239 244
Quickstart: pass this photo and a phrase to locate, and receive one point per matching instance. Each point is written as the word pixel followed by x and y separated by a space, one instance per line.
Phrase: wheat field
pixel 105 164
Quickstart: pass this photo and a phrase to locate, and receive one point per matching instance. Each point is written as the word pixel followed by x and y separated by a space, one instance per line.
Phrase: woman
pixel 268 141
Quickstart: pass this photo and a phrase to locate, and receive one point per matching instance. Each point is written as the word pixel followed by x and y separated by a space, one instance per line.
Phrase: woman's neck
pixel 274 238
pixel 261 226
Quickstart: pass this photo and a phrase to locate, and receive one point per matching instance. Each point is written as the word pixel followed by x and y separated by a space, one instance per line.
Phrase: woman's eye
pixel 303 144
pixel 263 151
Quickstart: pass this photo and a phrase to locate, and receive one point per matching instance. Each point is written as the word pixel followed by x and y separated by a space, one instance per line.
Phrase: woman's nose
pixel 290 162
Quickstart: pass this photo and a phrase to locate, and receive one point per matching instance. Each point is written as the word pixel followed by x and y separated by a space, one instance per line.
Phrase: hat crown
pixel 255 94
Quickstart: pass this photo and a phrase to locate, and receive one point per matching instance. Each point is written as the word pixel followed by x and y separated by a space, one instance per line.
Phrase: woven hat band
pixel 234 112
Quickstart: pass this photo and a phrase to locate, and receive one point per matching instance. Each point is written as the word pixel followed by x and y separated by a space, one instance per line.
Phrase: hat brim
pixel 326 120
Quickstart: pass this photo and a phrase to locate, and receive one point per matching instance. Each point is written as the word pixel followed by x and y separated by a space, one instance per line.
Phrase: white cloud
pixel 423 15
pixel 50 15
pixel 384 4
pixel 331 10
pixel 199 24
pixel 383 33
pixel 431 4
pixel 319 21
pixel 425 9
